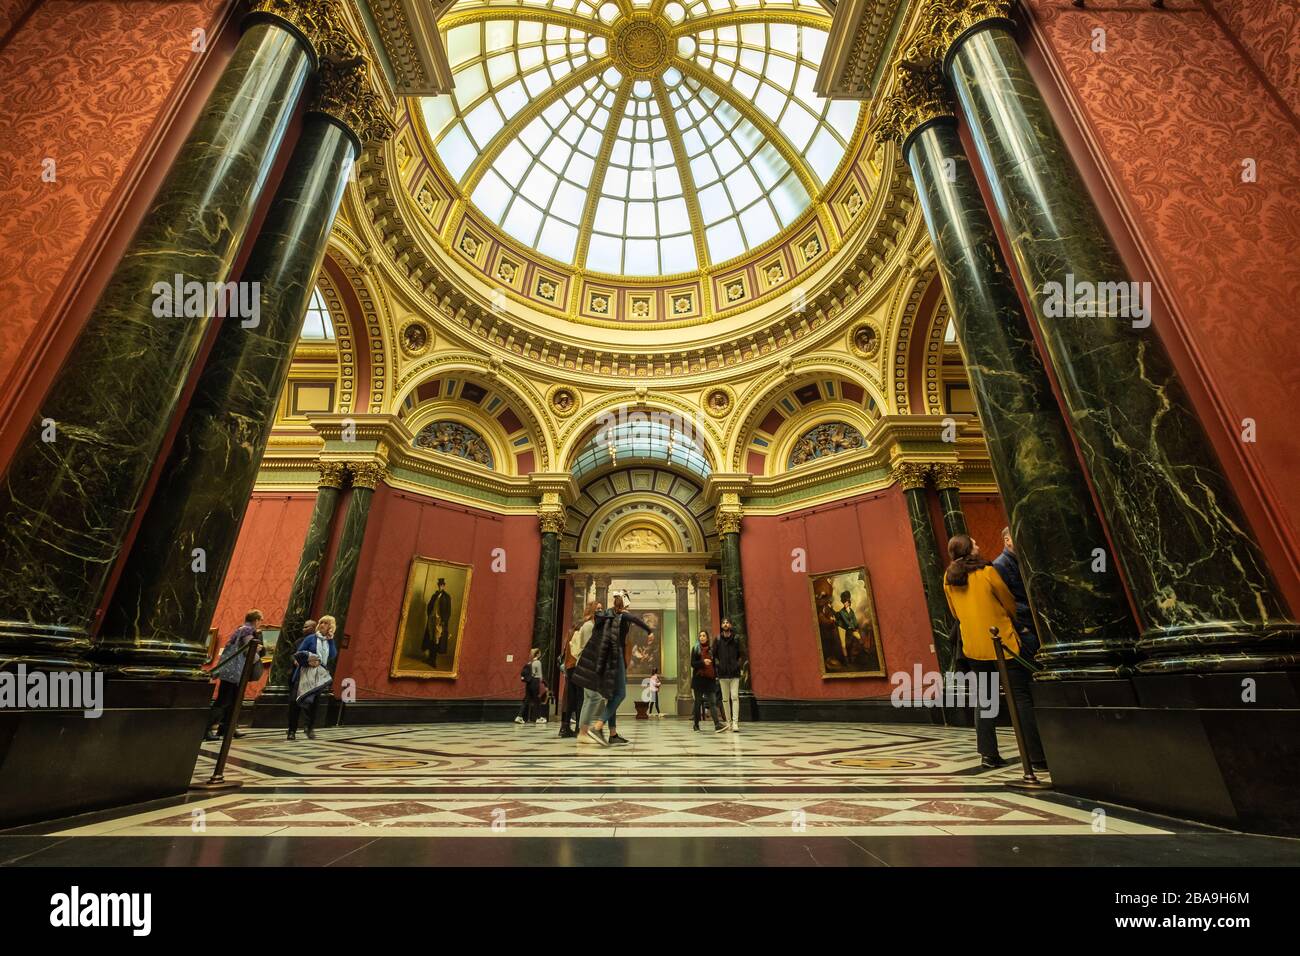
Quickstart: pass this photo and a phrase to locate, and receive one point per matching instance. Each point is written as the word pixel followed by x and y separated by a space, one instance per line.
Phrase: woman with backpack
pixel 531 675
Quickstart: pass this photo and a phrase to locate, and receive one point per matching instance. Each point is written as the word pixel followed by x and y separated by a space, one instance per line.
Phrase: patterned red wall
pixel 985 519
pixel 10 12
pixel 89 85
pixel 1269 31
pixel 265 561
pixel 1171 109
pixel 871 531
pixel 500 614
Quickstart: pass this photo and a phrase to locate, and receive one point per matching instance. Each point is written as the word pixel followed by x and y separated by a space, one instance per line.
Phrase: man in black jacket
pixel 704 682
pixel 606 670
pixel 727 662
pixel 1008 567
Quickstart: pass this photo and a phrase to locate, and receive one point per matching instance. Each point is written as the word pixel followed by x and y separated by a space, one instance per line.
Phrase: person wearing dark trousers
pixel 1008 567
pixel 312 660
pixel 704 682
pixel 727 664
pixel 574 696
pixel 980 600
pixel 230 669
pixel 531 675
pixel 612 670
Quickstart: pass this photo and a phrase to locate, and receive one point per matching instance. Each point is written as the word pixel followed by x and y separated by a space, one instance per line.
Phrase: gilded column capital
pixel 366 474
pixel 946 474
pixel 728 521
pixel 344 91
pixel 332 474
pixel 602 580
pixel 909 474
pixel 919 96
pixel 703 581
pixel 951 18
pixel 681 581
pixel 313 20
pixel 551 518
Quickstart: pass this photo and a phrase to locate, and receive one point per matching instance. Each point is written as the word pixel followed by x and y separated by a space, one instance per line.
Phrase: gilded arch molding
pixel 761 392
pixel 574 433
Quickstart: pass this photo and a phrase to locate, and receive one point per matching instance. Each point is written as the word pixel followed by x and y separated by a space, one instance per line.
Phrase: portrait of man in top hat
pixel 434 609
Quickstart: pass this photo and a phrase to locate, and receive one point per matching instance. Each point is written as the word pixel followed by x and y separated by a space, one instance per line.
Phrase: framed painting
pixel 214 644
pixel 270 638
pixel 844 620
pixel 647 653
pixel 432 625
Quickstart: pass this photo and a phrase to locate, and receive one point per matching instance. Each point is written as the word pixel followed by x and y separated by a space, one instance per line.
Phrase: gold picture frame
pixel 839 655
pixel 417 630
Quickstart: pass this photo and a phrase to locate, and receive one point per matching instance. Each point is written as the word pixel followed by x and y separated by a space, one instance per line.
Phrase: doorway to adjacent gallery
pixel 676 603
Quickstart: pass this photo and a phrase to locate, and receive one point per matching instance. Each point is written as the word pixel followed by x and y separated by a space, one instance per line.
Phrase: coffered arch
pixel 672 505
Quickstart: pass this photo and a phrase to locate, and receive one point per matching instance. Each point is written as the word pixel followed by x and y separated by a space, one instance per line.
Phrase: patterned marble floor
pixel 472 780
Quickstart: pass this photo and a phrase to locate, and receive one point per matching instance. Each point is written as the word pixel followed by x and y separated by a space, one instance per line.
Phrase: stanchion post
pixel 1028 781
pixel 218 780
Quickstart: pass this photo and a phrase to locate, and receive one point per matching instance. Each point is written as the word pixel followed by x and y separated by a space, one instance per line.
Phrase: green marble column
pixel 911 477
pixel 733 590
pixel 1204 594
pixel 157 621
pixel 338 598
pixel 69 493
pixel 306 582
pixel 1083 615
pixel 946 484
pixel 548 579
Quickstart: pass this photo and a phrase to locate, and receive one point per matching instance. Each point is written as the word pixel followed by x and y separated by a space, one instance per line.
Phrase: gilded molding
pixel 728 522
pixel 909 474
pixel 551 519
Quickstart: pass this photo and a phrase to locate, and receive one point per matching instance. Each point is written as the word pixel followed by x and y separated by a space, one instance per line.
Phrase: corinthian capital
pixel 909 474
pixel 551 519
pixel 366 474
pixel 947 474
pixel 344 91
pixel 919 96
pixel 312 19
pixel 951 18
pixel 332 474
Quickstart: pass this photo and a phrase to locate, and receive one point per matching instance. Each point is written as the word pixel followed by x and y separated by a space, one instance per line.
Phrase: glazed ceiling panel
pixel 639 139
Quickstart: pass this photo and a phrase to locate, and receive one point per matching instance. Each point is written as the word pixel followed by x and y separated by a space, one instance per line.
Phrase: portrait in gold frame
pixel 432 626
pixel 844 651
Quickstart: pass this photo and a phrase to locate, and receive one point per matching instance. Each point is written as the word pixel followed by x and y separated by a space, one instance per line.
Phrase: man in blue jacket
pixel 1008 567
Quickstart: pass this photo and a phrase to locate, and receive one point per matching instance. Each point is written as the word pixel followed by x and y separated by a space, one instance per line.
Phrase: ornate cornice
pixel 859 39
pixel 406 36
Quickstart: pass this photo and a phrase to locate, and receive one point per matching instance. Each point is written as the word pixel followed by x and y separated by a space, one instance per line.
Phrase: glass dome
pixel 638 139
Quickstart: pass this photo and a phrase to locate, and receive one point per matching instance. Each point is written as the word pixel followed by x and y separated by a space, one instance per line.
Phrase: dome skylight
pixel 638 139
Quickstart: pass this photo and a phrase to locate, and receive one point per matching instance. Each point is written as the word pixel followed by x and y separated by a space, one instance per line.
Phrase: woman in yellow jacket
pixel 979 599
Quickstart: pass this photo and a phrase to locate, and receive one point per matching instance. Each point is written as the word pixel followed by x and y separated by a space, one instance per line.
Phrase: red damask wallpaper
pixel 1174 108
pixel 499 617
pixel 11 12
pixel 265 561
pixel 872 532
pixel 83 84
pixel 1269 31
